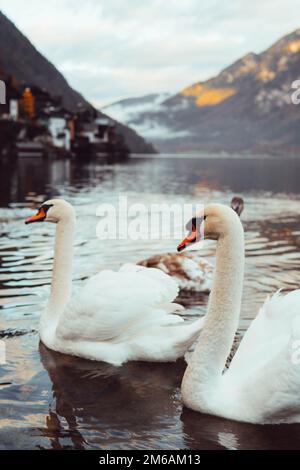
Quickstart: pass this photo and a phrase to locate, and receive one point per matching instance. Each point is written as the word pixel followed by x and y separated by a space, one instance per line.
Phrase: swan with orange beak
pixel 192 272
pixel 114 316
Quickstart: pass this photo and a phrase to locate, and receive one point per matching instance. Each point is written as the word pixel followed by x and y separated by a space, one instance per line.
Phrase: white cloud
pixel 118 48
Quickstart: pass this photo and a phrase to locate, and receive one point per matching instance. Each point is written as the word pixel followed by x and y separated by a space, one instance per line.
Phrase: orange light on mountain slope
pixel 193 90
pixel 214 96
pixel 208 96
pixel 294 46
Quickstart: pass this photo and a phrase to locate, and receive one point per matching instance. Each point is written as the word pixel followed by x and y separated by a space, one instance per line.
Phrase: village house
pixel 47 111
pixel 43 126
pixel 99 131
pixel 9 108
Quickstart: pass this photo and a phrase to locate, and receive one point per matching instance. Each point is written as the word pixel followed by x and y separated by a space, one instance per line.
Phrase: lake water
pixel 49 400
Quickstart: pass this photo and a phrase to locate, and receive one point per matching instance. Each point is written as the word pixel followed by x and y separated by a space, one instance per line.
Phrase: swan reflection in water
pixel 100 405
pixel 138 406
pixel 202 431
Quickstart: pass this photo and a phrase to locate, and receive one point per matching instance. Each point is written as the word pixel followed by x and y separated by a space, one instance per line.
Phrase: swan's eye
pixel 46 207
pixel 195 223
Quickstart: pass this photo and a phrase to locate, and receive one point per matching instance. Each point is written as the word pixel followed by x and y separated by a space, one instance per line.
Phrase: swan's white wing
pixel 167 285
pixel 165 342
pixel 270 332
pixel 263 380
pixel 114 306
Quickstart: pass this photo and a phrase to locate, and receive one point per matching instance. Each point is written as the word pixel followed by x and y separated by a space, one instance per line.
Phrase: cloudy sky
pixel 112 49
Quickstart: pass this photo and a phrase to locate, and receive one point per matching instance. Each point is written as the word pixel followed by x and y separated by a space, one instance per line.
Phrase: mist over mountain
pixel 130 110
pixel 20 58
pixel 246 107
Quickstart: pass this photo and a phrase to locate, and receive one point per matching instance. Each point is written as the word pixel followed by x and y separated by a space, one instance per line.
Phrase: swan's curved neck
pixel 61 285
pixel 208 360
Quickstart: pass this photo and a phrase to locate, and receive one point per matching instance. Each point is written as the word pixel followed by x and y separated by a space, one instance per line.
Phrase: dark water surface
pixel 49 400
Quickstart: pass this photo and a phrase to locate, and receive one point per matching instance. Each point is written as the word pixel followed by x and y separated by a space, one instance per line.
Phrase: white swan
pixel 116 316
pixel 262 384
pixel 193 274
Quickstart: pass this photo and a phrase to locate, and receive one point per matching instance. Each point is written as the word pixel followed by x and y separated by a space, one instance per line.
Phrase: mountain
pixel 246 107
pixel 18 57
pixel 129 111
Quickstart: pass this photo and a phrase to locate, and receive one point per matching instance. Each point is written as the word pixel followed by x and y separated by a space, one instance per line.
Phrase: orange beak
pixel 191 238
pixel 39 217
